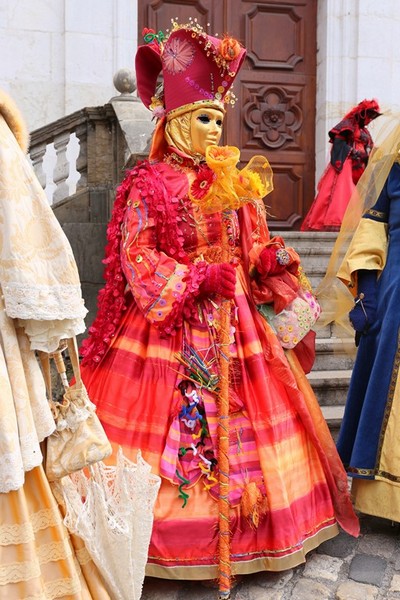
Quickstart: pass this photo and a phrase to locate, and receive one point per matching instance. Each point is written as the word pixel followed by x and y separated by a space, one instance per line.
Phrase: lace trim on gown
pixel 46 335
pixel 51 589
pixel 43 303
pixel 23 571
pixel 34 534
pixel 21 533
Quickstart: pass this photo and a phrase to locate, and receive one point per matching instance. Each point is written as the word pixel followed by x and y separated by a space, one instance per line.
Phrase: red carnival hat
pixel 362 107
pixel 196 69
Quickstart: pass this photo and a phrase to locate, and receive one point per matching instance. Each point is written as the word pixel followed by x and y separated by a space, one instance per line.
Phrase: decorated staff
pixel 227 189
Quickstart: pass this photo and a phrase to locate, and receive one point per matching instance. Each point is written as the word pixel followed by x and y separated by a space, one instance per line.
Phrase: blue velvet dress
pixel 369 438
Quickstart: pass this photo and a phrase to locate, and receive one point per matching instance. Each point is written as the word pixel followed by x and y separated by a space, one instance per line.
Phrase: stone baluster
pixel 82 160
pixel 37 154
pixel 61 169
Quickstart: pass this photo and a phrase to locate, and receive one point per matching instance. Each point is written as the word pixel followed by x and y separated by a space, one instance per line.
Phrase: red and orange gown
pixel 336 186
pixel 288 490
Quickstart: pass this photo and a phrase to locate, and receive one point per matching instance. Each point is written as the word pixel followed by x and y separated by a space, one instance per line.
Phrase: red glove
pixel 273 260
pixel 220 279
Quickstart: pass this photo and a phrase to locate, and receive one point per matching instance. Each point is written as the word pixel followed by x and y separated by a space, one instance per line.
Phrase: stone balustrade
pixel 92 147
pixel 92 134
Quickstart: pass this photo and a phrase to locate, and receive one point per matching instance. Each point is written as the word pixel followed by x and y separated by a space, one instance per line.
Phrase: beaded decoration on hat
pixel 197 69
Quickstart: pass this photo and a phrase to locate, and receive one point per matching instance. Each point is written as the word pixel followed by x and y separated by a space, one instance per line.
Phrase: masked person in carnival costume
pixel 351 146
pixel 40 304
pixel 188 243
pixel 366 260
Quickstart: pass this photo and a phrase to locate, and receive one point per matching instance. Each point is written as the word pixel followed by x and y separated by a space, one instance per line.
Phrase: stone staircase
pixel 330 375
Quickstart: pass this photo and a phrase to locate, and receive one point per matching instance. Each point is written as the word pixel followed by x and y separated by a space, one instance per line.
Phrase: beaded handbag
pixel 79 439
pixel 293 323
pixel 296 320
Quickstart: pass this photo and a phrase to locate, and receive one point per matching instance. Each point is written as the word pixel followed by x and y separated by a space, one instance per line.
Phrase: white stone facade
pixel 358 57
pixel 58 56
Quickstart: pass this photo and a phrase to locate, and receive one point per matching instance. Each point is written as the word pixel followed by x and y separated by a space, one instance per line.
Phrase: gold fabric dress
pixel 40 303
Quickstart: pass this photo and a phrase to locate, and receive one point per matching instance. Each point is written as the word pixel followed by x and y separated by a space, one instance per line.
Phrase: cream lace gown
pixel 40 302
pixel 38 559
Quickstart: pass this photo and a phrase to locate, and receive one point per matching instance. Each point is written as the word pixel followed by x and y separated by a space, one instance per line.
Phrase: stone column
pixel 133 118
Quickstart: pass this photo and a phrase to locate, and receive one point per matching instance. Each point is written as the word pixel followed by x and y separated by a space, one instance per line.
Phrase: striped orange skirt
pixel 287 490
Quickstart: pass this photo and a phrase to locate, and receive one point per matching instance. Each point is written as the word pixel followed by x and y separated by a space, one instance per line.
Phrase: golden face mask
pixel 194 130
pixel 205 128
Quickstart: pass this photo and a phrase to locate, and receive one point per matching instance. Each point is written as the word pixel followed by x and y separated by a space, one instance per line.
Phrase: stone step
pixel 310 247
pixel 314 249
pixel 333 416
pixel 335 351
pixel 330 386
pixel 307 241
pixel 333 354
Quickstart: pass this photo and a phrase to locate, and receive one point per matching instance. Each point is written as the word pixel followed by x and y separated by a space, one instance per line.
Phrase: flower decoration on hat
pixel 150 36
pixel 178 56
pixel 197 69
pixel 230 48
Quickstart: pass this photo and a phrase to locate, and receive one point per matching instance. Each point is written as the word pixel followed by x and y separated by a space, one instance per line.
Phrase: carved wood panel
pixel 276 88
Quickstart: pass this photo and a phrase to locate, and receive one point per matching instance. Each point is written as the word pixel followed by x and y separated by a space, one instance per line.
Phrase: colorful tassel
pixel 253 504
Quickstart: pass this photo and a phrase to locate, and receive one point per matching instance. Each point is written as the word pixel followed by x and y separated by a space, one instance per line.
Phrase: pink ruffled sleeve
pixel 164 288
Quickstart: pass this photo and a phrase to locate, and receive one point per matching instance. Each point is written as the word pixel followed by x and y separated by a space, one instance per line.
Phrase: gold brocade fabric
pixel 388 460
pixel 335 297
pixel 38 273
pixel 377 498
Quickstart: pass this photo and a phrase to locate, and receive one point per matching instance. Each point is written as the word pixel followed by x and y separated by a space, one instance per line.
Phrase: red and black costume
pixel 351 146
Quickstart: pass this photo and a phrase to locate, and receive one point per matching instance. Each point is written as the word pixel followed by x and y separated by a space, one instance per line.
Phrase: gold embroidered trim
pixel 389 403
pixel 376 213
pixel 178 163
pixel 213 254
pixel 210 103
pixel 364 472
pixel 265 553
pixel 376 472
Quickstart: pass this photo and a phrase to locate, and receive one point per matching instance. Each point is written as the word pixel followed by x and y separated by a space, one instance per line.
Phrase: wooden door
pixel 276 88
